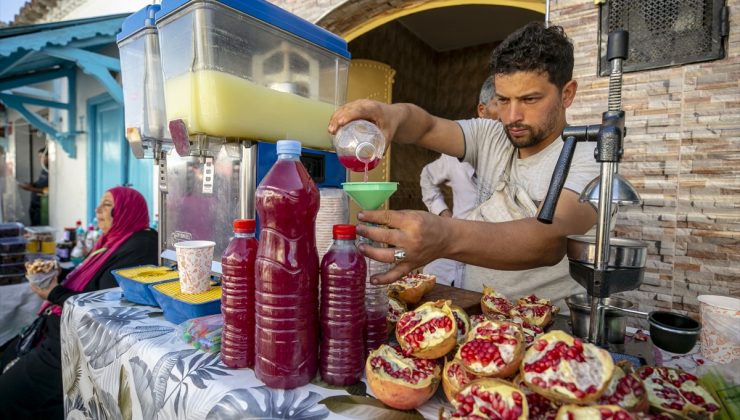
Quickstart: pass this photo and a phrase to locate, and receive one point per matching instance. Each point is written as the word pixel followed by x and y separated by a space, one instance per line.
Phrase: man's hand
pixel 44 293
pixel 419 233
pixel 25 186
pixel 446 213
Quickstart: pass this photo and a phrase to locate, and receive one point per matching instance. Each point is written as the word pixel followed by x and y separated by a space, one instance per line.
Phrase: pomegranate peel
pixel 429 331
pixel 564 368
pixel 625 390
pixel 540 407
pixel 676 392
pixel 455 378
pixel 462 321
pixel 493 303
pixel 400 381
pixel 396 308
pixel 593 412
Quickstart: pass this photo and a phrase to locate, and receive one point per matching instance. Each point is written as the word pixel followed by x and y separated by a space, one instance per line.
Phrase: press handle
pixel 559 175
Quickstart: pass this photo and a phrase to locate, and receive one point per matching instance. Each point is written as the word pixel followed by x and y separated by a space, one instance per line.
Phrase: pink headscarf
pixel 130 215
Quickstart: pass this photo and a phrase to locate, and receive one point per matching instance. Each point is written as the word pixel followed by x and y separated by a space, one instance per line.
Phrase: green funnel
pixel 370 195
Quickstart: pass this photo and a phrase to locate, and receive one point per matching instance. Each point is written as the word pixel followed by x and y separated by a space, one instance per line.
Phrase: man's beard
pixel 536 134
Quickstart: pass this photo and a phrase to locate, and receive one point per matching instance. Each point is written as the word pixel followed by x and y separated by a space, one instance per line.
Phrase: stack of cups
pixel 333 210
pixel 194 265
pixel 720 332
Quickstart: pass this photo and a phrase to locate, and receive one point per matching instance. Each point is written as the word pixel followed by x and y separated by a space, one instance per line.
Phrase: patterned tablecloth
pixel 122 360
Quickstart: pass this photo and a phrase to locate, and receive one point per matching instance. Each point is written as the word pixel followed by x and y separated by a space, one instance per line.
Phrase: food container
pixel 8 230
pixel 40 269
pixel 12 245
pixel 179 307
pixel 673 332
pixel 13 268
pixel 17 257
pixel 615 323
pixel 7 279
pixel 143 84
pixel 41 239
pixel 720 336
pixel 136 282
pixel 248 69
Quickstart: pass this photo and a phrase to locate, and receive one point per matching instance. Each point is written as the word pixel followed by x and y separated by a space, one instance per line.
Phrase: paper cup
pixel 194 265
pixel 720 334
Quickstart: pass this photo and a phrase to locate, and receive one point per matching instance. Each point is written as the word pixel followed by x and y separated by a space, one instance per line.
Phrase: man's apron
pixel 508 202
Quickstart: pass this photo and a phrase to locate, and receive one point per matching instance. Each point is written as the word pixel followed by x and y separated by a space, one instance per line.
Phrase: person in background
pixel 31 385
pixel 460 177
pixel 513 158
pixel 38 187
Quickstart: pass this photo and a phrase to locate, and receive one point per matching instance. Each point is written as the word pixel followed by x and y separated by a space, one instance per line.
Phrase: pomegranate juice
pixel 343 272
pixel 287 269
pixel 237 297
pixel 356 165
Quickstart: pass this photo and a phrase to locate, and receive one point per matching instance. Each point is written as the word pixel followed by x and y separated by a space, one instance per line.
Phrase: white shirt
pixel 460 177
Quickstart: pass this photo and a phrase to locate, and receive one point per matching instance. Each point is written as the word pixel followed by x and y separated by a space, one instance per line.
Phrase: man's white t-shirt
pixel 489 150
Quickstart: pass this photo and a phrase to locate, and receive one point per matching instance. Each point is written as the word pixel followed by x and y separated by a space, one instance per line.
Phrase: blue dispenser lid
pixel 142 19
pixel 274 16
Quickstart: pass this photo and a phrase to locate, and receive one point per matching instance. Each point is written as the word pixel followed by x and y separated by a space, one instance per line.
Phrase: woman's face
pixel 103 212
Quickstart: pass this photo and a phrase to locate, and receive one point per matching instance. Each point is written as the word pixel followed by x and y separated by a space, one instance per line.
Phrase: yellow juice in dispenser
pixel 221 104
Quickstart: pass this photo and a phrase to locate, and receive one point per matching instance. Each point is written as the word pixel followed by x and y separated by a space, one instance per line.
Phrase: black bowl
pixel 673 332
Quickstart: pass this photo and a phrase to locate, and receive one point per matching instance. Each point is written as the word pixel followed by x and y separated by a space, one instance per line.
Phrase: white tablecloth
pixel 121 360
pixel 18 307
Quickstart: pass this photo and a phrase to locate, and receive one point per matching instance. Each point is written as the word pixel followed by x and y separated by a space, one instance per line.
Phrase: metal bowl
pixel 615 322
pixel 673 332
pixel 623 253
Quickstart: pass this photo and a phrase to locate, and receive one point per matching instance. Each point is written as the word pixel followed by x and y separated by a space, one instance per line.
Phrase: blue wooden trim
pixel 14 60
pixel 35 101
pixel 44 76
pixel 96 65
pixel 36 92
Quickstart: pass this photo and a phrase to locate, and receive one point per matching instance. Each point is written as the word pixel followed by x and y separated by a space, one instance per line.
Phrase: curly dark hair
pixel 537 48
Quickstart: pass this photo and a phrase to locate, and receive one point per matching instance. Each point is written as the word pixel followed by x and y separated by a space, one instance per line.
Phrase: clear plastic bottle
pixel 91 237
pixel 237 296
pixel 343 274
pixel 79 230
pixel 359 145
pixel 376 305
pixel 287 272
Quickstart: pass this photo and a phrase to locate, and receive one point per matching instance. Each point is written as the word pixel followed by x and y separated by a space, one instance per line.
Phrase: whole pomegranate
pixel 490 399
pixel 412 287
pixel 626 390
pixel 593 412
pixel 565 368
pixel 493 303
pixel 492 349
pixel 454 378
pixel 676 392
pixel 400 381
pixel 429 331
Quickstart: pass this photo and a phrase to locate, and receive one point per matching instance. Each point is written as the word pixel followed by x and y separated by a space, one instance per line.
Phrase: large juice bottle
pixel 343 272
pixel 237 296
pixel 287 272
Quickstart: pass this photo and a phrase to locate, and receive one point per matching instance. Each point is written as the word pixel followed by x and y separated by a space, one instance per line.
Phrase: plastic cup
pixel 720 334
pixel 194 265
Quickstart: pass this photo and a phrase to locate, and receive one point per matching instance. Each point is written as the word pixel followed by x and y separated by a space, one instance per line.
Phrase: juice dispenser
pixel 238 75
pixel 143 85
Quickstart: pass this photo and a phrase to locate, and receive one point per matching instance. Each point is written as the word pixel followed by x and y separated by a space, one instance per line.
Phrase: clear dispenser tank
pixel 247 69
pixel 143 84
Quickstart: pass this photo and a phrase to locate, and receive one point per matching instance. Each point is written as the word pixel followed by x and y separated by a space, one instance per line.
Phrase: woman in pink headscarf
pixel 31 385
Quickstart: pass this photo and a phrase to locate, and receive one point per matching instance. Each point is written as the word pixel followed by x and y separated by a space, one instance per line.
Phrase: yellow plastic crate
pixel 148 274
pixel 172 289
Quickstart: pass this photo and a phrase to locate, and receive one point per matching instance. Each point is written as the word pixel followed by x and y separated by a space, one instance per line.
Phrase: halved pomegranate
pixel 455 378
pixel 531 332
pixel 490 399
pixel 626 390
pixel 494 303
pixel 593 412
pixel 492 349
pixel 400 381
pixel 396 308
pixel 462 321
pixel 676 392
pixel 565 368
pixel 412 287
pixel 429 331
pixel 535 313
pixel 477 319
pixel 540 407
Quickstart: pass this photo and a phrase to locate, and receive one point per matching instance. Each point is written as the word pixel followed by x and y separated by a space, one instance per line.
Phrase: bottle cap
pixel 344 232
pixel 244 225
pixel 288 147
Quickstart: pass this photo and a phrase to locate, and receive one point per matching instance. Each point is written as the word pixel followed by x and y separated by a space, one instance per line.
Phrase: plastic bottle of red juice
pixel 343 272
pixel 287 272
pixel 237 296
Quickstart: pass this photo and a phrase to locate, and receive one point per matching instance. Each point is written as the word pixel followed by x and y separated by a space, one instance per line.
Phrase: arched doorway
pixel 439 50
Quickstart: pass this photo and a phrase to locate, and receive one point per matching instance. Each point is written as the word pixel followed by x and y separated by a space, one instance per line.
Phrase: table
pixel 125 360
pixel 18 308
pixel 121 359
